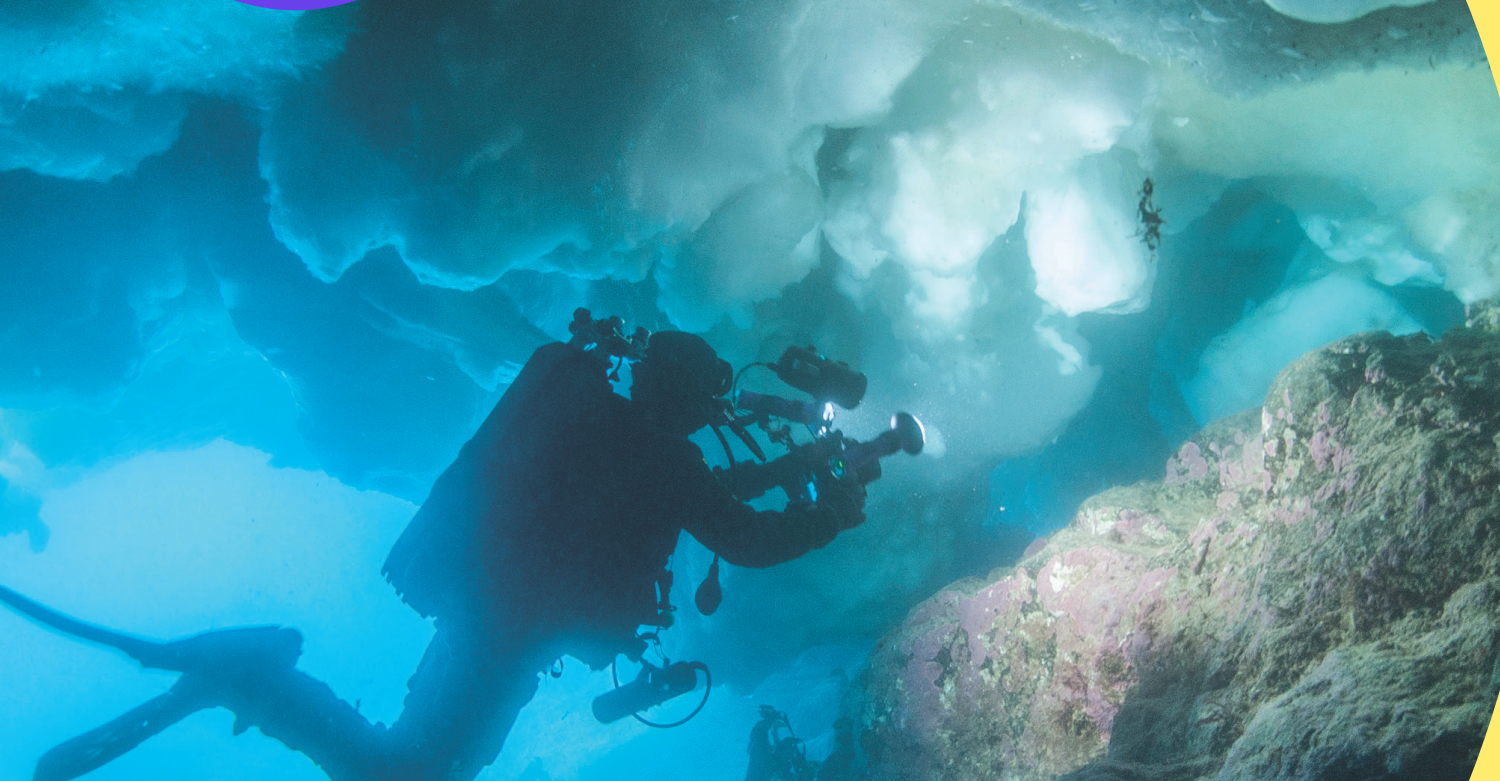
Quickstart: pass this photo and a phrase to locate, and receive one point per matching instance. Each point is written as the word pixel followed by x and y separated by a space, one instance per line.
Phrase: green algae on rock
pixel 1312 591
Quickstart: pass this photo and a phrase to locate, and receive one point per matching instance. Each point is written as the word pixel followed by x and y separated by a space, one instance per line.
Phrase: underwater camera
pixel 830 383
pixel 906 433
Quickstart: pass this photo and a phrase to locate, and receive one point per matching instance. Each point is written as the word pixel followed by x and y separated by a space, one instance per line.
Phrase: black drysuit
pixel 546 536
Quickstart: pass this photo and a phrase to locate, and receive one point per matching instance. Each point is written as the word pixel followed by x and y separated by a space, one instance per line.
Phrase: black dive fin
pixel 222 649
pixel 243 655
pixel 95 748
pixel 148 653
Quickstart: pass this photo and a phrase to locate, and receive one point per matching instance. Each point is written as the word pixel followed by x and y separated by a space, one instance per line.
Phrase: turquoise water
pixel 262 273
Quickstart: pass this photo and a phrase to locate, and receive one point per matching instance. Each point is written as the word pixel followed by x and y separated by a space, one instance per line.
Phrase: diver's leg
pixel 461 703
pixel 304 714
pixel 463 700
pixel 250 671
pixel 289 706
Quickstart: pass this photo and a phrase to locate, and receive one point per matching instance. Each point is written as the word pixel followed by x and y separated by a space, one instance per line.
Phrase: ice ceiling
pixel 329 239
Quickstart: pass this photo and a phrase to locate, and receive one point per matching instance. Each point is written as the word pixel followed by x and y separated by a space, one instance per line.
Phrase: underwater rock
pixel 1310 592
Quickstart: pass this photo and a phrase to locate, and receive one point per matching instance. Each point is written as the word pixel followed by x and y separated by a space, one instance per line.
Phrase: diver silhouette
pixel 775 753
pixel 548 535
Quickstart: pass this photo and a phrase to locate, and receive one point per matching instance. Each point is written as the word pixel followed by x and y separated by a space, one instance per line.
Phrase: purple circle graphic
pixel 295 5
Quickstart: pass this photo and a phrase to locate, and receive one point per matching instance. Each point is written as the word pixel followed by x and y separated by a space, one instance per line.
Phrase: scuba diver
pixel 775 753
pixel 548 535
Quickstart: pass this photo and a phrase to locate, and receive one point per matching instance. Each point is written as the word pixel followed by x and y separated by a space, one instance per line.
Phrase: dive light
pixel 654 686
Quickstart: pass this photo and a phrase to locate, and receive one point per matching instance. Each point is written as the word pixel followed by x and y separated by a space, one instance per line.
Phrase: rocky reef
pixel 1311 592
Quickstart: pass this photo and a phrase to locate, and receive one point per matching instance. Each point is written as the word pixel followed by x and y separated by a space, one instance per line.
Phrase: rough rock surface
pixel 1311 592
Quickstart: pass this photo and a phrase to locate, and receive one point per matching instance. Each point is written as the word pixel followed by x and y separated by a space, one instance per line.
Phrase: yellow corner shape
pixel 1487 19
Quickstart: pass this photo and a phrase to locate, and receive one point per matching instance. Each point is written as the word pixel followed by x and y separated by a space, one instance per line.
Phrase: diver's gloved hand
pixel 845 499
pixel 747 480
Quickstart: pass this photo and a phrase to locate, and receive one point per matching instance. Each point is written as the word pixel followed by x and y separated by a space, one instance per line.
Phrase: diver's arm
pixel 748 480
pixel 747 538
